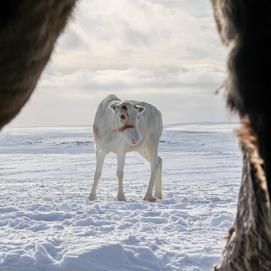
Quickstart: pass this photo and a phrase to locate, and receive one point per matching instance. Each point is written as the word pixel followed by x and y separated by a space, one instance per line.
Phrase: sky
pixel 165 52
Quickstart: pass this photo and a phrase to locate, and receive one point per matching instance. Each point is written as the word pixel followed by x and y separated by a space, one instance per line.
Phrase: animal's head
pixel 126 116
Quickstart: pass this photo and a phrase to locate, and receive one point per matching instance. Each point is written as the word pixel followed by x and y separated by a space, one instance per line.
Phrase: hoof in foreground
pixel 121 197
pixel 158 195
pixel 149 198
pixel 92 197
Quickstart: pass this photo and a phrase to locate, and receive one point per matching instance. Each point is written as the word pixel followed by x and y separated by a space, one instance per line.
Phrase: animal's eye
pixel 124 107
pixel 122 117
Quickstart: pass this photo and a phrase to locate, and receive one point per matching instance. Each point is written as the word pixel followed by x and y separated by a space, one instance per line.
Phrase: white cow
pixel 124 126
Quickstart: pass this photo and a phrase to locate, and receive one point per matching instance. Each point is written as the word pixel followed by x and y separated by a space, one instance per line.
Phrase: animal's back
pixel 104 106
pixel 150 120
pixel 103 118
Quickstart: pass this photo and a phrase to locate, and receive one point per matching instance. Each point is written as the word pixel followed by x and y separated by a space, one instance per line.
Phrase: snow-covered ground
pixel 47 223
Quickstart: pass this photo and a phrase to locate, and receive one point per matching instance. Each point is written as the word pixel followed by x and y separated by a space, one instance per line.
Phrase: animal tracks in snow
pixel 47 223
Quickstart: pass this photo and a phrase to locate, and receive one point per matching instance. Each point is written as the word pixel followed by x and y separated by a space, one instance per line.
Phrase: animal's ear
pixel 114 106
pixel 140 109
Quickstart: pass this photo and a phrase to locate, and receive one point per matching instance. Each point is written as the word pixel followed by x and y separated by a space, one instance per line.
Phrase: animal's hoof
pixel 92 197
pixel 149 198
pixel 121 197
pixel 158 195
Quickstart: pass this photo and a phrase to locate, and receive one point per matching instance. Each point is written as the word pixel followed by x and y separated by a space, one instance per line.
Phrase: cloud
pixel 130 79
pixel 143 34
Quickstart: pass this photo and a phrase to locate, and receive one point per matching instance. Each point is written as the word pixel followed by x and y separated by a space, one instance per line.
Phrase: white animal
pixel 124 126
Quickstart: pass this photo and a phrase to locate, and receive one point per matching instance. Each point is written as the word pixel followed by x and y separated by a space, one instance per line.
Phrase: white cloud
pixel 141 33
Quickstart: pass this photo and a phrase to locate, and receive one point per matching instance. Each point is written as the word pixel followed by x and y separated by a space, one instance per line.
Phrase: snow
pixel 47 223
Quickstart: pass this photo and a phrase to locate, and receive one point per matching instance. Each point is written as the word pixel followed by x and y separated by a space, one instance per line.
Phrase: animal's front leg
pixel 98 173
pixel 119 173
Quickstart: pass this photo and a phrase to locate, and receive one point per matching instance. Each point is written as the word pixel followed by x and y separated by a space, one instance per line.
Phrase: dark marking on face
pixel 124 107
pixel 122 116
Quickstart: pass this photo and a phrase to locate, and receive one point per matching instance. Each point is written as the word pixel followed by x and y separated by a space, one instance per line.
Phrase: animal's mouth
pixel 124 127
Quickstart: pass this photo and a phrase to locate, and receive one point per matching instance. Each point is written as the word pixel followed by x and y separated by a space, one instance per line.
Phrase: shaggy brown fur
pixel 245 26
pixel 28 32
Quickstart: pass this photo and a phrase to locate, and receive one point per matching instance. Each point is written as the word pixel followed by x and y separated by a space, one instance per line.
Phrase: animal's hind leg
pixel 98 173
pixel 154 168
pixel 158 180
pixel 150 154
pixel 121 161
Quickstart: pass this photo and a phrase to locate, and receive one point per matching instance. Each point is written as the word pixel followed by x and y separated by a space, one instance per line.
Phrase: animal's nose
pixel 133 141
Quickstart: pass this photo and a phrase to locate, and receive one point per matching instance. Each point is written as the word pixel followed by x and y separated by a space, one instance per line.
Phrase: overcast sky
pixel 166 52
